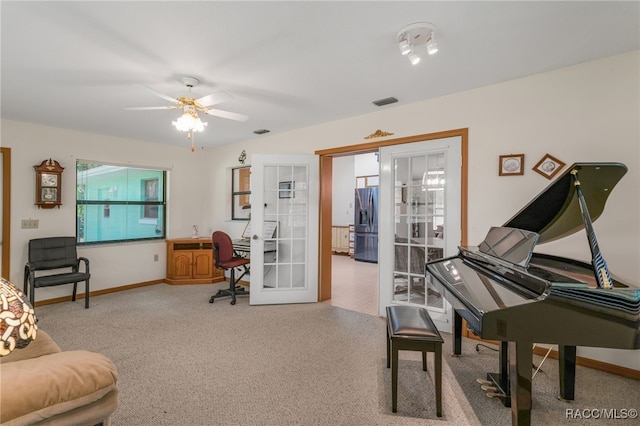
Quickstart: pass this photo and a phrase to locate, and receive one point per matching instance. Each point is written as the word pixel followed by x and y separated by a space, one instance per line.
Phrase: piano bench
pixel 410 328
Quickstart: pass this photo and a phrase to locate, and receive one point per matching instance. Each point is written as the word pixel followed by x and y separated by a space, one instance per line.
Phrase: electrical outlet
pixel 29 223
pixel 155 257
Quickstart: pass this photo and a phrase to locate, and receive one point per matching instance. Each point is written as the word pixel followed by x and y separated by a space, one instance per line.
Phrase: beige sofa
pixel 42 385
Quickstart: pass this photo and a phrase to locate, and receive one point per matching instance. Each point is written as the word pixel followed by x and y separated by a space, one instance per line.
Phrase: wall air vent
pixel 385 101
pixel 261 131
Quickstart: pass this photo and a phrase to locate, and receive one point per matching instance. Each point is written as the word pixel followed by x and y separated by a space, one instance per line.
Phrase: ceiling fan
pixel 189 121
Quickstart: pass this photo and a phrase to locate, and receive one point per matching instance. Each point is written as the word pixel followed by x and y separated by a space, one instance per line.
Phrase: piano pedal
pixel 488 388
pixel 495 395
pixel 484 382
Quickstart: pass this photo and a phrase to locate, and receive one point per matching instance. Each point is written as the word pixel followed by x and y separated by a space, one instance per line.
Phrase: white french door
pixel 284 266
pixel 420 217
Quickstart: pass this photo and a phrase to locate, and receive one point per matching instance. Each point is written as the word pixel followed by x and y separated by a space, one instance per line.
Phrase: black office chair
pixel 59 254
pixel 226 259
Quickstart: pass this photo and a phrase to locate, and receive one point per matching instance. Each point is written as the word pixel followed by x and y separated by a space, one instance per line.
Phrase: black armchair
pixel 226 259
pixel 59 254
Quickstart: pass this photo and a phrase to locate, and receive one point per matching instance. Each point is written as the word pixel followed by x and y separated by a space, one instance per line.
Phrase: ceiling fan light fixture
pixel 189 121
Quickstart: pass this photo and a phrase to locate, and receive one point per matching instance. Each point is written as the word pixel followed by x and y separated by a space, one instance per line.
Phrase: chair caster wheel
pixel 233 302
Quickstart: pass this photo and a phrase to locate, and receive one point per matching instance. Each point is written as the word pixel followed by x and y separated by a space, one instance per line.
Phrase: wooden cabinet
pixel 352 240
pixel 190 261
pixel 340 239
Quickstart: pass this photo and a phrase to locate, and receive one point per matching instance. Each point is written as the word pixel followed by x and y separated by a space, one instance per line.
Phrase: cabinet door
pixel 334 238
pixel 344 239
pixel 202 264
pixel 182 264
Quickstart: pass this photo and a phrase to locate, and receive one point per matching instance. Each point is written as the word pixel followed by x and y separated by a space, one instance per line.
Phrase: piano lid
pixel 555 212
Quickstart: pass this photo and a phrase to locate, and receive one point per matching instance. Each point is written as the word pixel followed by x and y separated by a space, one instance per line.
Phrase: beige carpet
pixel 184 361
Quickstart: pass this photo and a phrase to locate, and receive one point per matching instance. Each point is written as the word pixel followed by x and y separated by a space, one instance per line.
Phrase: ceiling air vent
pixel 385 101
pixel 261 131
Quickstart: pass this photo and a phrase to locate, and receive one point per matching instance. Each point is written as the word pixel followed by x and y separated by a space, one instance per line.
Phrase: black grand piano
pixel 510 294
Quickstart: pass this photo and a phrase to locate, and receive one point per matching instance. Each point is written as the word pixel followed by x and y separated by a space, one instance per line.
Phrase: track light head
pixel 432 46
pixel 405 46
pixel 415 59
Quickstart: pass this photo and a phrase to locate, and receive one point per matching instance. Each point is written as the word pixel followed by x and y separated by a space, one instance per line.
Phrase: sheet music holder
pixel 268 232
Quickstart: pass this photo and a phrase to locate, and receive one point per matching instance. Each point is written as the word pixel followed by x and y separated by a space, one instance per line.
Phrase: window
pixel 118 203
pixel 240 193
pixel 150 191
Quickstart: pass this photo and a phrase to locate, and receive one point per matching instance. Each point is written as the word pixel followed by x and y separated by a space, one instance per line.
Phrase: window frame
pixel 144 205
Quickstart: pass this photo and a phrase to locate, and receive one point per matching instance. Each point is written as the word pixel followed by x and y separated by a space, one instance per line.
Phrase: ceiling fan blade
pixel 161 95
pixel 147 108
pixel 226 114
pixel 214 98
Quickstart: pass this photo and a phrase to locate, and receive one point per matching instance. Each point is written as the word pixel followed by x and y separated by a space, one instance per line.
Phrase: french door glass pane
pixel 286 198
pixel 419 213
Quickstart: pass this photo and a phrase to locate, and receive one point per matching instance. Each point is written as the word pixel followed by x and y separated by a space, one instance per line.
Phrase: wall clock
pixel 48 184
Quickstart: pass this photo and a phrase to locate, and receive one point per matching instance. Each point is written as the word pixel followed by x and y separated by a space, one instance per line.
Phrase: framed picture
pixel 548 166
pixel 511 165
pixel 285 189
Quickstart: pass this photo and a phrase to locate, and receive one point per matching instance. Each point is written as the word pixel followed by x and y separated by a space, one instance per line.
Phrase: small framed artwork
pixel 511 165
pixel 548 166
pixel 285 189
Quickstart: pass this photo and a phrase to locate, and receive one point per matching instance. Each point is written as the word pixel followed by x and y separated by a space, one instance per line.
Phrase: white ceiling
pixel 288 64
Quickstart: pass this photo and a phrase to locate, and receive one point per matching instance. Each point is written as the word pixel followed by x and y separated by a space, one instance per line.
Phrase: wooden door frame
pixel 6 213
pixel 326 181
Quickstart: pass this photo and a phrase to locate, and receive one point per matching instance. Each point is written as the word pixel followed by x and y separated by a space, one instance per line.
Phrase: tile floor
pixel 354 285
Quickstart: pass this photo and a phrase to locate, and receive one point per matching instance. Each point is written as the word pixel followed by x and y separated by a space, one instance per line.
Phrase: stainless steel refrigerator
pixel 366 224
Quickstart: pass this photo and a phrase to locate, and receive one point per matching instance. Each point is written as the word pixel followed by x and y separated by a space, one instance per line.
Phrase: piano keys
pixel 507 292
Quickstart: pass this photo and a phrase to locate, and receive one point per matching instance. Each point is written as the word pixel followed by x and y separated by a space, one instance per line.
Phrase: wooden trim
pixel 99 292
pixel 364 148
pixel 6 213
pixel 324 231
pixel 464 187
pixel 190 281
pixel 582 361
pixel 594 364
pixel 326 161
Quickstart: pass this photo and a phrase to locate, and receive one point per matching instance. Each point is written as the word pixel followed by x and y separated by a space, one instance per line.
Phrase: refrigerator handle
pixel 372 210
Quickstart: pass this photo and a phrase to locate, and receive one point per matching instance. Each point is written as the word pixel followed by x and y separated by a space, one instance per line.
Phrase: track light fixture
pixel 416 35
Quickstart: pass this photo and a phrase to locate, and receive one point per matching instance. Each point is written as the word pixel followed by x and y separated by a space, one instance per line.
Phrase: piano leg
pixel 520 372
pixel 567 370
pixel 501 380
pixel 457 333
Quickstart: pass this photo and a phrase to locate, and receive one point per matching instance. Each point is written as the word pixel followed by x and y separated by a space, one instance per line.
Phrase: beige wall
pixel 588 112
pixel 111 265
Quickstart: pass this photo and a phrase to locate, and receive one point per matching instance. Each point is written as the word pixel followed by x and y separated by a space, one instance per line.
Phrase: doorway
pixel 326 182
pixel 354 275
